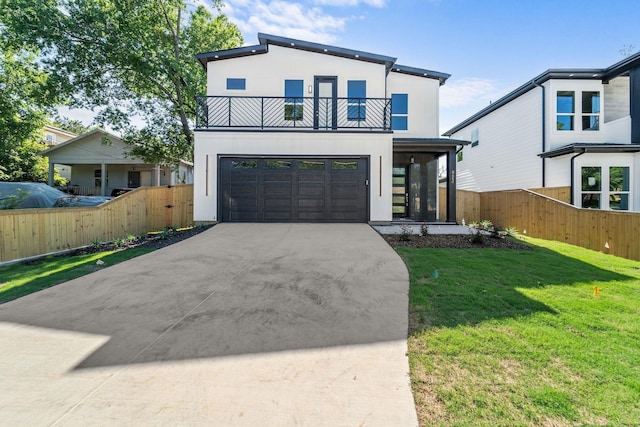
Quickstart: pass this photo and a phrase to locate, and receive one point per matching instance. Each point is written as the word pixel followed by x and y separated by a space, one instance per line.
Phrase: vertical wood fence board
pixel 29 232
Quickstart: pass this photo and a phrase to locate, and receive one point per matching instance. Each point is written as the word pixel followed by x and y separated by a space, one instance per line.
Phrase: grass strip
pixel 18 280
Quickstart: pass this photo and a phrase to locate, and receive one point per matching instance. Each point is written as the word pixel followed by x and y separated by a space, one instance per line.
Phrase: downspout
pixel 571 199
pixel 544 134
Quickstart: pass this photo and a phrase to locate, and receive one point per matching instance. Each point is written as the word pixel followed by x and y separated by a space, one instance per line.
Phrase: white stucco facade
pixel 210 145
pixel 236 115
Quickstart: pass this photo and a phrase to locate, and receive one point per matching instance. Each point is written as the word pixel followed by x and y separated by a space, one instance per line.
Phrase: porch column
pixel 451 185
pixel 103 179
pixel 51 173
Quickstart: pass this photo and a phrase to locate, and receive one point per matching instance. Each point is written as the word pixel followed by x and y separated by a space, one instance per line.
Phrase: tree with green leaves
pixel 70 125
pixel 130 59
pixel 25 101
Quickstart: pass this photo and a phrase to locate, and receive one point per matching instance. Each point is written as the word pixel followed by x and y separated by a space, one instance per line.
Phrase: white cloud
pixel 351 3
pixel 301 20
pixel 457 93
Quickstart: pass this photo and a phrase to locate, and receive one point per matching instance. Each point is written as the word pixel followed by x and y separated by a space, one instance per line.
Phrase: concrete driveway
pixel 244 324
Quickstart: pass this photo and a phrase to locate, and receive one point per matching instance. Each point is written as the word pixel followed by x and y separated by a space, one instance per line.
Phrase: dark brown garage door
pixel 294 190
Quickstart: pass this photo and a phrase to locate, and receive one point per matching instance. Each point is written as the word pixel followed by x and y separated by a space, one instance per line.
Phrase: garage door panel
pixel 310 177
pixel 299 190
pixel 277 177
pixel 277 203
pixel 278 189
pixel 243 216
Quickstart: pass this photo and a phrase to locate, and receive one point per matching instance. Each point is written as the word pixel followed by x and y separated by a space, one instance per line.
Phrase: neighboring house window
pixel 399 111
pixel 51 139
pixel 565 108
pixel 356 103
pixel 293 99
pixel 97 178
pixel 474 138
pixel 619 188
pixel 133 179
pixel 236 84
pixel 591 187
pixel 590 110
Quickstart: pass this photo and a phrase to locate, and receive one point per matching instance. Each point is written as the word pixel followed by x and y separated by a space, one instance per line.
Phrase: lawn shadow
pixel 452 287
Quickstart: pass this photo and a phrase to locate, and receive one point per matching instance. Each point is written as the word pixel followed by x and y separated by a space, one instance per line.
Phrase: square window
pixel 590 122
pixel 591 178
pixel 399 103
pixel 293 90
pixel 591 200
pixel 565 102
pixel 399 123
pixel 619 178
pixel 564 122
pixel 236 84
pixel 591 102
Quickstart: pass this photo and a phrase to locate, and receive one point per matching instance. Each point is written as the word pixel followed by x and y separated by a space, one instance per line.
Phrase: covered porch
pixel 424 179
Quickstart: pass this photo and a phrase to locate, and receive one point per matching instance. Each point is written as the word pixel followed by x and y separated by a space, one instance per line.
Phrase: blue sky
pixel 489 47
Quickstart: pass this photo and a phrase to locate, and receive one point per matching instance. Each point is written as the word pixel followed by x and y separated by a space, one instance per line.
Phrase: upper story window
pixel 475 137
pixel 565 107
pixel 236 84
pixel 590 110
pixel 356 104
pixel 50 139
pixel 399 111
pixel 293 99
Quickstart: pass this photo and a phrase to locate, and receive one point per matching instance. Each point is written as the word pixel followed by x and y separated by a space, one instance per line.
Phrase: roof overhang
pixel 422 145
pixel 231 53
pixel 587 147
pixel 603 74
pixel 266 39
pixel 421 72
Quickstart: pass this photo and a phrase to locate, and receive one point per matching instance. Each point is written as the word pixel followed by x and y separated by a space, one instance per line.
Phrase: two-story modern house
pixel 303 132
pixel 577 128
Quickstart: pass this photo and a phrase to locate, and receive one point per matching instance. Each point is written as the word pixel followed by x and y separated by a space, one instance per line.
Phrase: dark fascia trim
pixel 426 142
pixel 421 72
pixel 568 74
pixel 622 67
pixel 267 39
pixel 231 53
pixel 587 147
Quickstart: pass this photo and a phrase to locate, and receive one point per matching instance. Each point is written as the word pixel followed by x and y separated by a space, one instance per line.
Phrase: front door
pixel 400 192
pixel 325 102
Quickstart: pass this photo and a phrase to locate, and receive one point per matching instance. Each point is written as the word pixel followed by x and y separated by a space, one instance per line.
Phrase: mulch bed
pixel 456 241
pixel 147 241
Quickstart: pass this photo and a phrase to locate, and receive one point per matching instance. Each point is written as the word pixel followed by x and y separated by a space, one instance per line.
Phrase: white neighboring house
pixel 97 154
pixel 294 131
pixel 576 128
pixel 54 136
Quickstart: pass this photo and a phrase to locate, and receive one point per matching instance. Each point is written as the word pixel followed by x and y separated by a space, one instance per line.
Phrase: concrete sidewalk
pixel 244 324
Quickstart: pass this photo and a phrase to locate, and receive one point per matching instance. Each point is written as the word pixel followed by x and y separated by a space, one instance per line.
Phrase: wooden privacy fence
pixel 613 232
pixel 29 232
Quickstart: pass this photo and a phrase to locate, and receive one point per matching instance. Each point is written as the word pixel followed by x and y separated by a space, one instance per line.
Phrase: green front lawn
pixel 18 280
pixel 507 338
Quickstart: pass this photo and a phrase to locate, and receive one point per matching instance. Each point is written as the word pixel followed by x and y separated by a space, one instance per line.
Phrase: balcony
pixel 264 112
